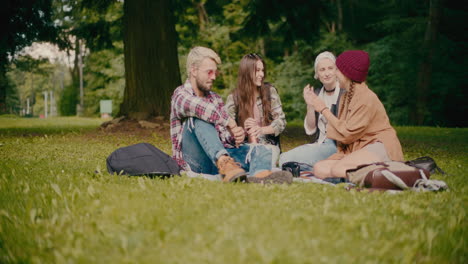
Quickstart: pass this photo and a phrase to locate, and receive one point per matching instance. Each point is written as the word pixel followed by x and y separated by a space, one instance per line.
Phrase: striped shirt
pixel 279 119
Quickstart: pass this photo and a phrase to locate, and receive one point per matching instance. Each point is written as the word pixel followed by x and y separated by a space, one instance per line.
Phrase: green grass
pixel 11 125
pixel 55 209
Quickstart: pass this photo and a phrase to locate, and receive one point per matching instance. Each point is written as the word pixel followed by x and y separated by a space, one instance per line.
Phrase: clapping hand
pixel 312 99
pixel 308 93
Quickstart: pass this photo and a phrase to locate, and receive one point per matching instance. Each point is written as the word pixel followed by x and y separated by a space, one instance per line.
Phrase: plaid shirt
pixel 185 104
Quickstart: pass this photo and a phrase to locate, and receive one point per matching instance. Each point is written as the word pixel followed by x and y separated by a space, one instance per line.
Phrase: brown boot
pixel 267 177
pixel 230 169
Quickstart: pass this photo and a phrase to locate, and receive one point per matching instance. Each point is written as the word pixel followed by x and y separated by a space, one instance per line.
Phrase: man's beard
pixel 202 87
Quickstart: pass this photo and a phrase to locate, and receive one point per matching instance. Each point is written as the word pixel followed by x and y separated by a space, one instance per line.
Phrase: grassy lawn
pixel 55 209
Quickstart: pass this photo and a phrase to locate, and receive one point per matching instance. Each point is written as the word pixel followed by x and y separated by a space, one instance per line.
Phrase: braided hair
pixel 347 99
pixel 345 104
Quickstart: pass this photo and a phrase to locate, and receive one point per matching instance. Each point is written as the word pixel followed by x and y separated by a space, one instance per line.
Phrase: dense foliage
pixel 416 48
pixel 23 22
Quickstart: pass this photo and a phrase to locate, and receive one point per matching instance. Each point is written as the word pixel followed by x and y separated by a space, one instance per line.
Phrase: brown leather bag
pixel 391 175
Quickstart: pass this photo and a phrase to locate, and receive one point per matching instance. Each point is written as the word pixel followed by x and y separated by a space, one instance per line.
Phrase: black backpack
pixel 141 159
pixel 426 163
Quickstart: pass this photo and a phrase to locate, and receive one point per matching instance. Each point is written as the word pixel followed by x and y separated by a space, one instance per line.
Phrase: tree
pixel 425 72
pixel 151 62
pixel 23 22
pixel 87 27
pixel 418 64
pixel 30 78
pixel 291 20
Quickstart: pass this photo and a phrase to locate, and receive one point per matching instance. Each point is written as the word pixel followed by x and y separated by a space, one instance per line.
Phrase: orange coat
pixel 363 122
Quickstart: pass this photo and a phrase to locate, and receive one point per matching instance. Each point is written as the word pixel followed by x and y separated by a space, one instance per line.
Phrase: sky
pixel 49 51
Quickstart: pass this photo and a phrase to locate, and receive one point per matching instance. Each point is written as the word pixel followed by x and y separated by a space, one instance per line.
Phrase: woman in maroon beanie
pixel 362 129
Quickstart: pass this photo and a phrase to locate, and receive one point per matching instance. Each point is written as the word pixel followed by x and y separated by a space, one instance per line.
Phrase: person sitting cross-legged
pixel 315 124
pixel 204 138
pixel 256 105
pixel 362 128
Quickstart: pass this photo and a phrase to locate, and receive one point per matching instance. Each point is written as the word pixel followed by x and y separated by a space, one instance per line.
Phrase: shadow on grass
pixel 20 126
pixel 38 132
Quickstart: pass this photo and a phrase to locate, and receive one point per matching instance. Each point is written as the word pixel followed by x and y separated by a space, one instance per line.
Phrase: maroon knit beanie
pixel 354 64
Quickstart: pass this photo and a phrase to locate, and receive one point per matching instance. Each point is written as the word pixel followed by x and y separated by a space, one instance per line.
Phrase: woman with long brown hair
pixel 256 106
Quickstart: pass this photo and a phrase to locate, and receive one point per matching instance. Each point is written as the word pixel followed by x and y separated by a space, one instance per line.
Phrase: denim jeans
pixel 309 153
pixel 201 148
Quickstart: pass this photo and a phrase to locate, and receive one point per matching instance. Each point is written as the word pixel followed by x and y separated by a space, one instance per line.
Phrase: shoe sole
pixel 277 177
pixel 239 177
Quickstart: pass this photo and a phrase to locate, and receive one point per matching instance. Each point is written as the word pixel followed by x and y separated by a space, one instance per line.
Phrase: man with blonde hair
pixel 204 138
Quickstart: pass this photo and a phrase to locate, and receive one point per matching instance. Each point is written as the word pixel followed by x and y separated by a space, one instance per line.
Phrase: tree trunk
pixel 425 71
pixel 71 93
pixel 202 15
pixel 33 93
pixel 261 44
pixel 3 88
pixel 151 62
pixel 340 15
